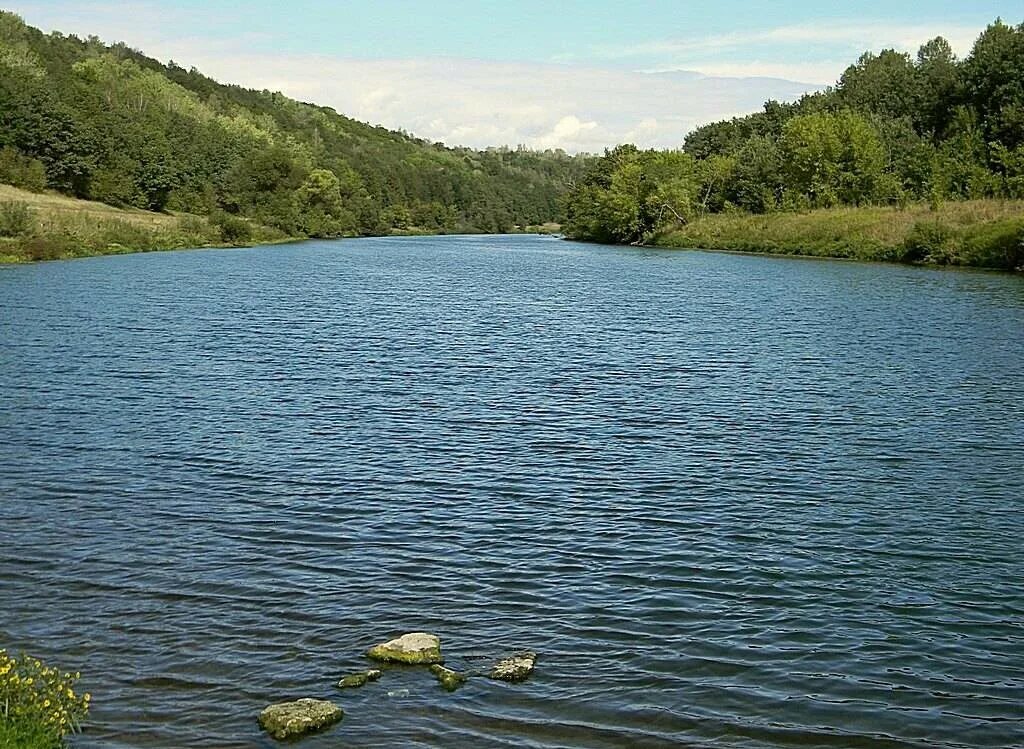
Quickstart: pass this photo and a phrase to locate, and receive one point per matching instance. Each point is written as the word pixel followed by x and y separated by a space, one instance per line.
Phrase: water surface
pixel 732 501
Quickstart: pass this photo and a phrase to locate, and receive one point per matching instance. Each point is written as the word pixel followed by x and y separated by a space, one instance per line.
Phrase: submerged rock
pixel 450 680
pixel 286 720
pixel 516 667
pixel 415 647
pixel 358 680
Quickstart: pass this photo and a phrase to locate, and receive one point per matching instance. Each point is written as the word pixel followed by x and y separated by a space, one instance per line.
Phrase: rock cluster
pixel 288 720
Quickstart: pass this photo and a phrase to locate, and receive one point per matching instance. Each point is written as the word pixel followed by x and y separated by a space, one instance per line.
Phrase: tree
pixel 833 158
pixel 320 206
pixel 939 87
pixel 883 84
pixel 994 84
pixel 756 182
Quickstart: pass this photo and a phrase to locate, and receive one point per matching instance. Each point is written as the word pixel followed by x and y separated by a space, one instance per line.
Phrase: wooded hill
pixel 895 130
pixel 106 123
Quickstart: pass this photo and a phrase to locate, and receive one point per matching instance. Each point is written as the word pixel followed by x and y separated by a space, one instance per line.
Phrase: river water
pixel 731 501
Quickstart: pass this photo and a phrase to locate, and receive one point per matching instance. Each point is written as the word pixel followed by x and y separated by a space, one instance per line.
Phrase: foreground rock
pixel 415 648
pixel 287 720
pixel 516 667
pixel 450 680
pixel 358 680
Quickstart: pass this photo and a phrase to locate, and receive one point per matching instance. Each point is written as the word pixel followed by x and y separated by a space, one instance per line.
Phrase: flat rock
pixel 287 720
pixel 516 667
pixel 450 680
pixel 358 680
pixel 415 647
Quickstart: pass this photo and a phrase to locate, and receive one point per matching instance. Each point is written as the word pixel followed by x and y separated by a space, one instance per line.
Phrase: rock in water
pixel 416 647
pixel 449 679
pixel 516 667
pixel 287 720
pixel 358 680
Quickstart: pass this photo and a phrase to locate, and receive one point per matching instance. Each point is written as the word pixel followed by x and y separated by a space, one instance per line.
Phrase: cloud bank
pixel 480 103
pixel 817 52
pixel 650 93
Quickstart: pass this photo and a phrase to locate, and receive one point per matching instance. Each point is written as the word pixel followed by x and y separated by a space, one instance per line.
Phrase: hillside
pixel 912 135
pixel 106 123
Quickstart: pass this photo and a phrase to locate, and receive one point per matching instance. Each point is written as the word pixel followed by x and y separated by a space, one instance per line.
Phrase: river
pixel 731 501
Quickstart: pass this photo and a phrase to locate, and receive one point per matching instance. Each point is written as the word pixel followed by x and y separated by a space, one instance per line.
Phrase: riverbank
pixel 49 226
pixel 977 233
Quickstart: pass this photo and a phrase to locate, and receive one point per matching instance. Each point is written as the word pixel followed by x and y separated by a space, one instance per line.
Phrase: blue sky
pixel 579 75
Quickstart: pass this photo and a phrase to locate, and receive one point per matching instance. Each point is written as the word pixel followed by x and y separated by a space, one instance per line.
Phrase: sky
pixel 567 74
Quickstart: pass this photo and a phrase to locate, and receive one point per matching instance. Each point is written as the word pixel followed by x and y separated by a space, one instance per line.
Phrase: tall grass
pixel 49 227
pixel 15 219
pixel 980 233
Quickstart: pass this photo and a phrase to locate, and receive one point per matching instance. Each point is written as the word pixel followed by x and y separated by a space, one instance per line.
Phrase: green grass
pixel 979 233
pixel 48 226
pixel 25 735
pixel 38 703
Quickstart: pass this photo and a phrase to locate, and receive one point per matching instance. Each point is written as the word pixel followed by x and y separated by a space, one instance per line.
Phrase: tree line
pixel 106 123
pixel 894 129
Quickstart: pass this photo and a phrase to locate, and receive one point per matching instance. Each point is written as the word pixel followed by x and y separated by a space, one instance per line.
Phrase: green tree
pixel 832 158
pixel 883 84
pixel 994 83
pixel 939 86
pixel 321 207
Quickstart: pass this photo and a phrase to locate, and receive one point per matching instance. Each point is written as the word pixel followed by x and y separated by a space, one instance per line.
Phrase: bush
pixel 995 245
pixel 38 704
pixel 233 230
pixel 49 248
pixel 15 219
pixel 21 171
pixel 929 241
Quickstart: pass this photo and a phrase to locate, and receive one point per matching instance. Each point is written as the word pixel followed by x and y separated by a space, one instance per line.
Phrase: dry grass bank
pixel 48 226
pixel 981 233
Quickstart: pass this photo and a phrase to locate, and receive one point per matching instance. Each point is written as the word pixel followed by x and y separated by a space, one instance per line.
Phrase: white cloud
pixel 859 35
pixel 821 73
pixel 569 129
pixel 480 103
pixel 791 52
pixel 477 102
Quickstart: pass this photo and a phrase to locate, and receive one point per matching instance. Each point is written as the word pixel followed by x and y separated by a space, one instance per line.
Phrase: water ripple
pixel 731 501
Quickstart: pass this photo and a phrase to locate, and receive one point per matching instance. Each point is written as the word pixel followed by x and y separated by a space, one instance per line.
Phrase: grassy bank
pixel 978 233
pixel 48 226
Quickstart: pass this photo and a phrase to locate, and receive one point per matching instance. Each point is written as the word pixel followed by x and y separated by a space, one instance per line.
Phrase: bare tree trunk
pixel 666 207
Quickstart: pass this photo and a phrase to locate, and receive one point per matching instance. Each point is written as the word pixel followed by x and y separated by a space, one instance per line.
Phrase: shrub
pixel 38 704
pixel 21 171
pixel 997 244
pixel 49 248
pixel 15 219
pixel 931 241
pixel 233 230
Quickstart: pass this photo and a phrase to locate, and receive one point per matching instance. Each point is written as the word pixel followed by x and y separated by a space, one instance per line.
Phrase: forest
pixel 108 124
pixel 895 130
